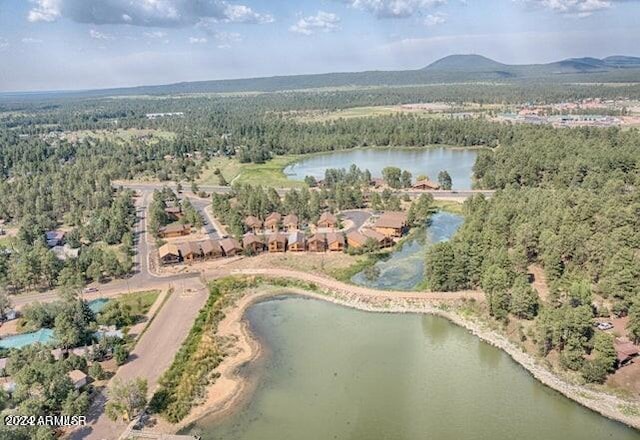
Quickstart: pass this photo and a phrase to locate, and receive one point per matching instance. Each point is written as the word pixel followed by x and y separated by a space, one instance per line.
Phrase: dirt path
pixel 349 290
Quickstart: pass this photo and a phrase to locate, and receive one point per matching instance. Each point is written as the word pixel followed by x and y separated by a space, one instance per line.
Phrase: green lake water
pixel 457 162
pixel 404 269
pixel 332 373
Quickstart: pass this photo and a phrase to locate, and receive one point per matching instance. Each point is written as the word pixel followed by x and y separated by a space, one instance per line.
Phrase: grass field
pixel 373 111
pixel 449 206
pixel 140 302
pixel 265 174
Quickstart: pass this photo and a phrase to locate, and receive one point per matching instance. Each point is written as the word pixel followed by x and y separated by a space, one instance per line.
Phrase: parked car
pixel 605 326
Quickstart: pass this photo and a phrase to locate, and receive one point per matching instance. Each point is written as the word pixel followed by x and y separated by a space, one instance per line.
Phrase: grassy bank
pixel 183 385
pixel 269 173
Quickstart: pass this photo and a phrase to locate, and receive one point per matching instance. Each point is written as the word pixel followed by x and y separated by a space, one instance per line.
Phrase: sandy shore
pixel 230 389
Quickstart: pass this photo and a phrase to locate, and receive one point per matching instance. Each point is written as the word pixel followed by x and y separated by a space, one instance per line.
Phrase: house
pixel 625 351
pixel 78 378
pixel 272 222
pixel 317 243
pixel 81 351
pixel 108 331
pixel 356 240
pixel 382 240
pixel 230 247
pixel 335 241
pixel 327 220
pixel 392 224
pixel 210 249
pixel 55 238
pixel 189 251
pixel 173 212
pixel 253 223
pixel 169 254
pixel 175 230
pixel 253 242
pixel 290 222
pixel 296 242
pixel 65 252
pixel 425 184
pixel 58 353
pixel 277 242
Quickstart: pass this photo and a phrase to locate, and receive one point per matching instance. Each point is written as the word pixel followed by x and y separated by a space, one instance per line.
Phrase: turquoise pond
pixel 97 305
pixel 43 336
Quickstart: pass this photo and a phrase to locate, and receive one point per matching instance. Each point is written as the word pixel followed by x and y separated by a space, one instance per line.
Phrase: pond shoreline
pixel 232 389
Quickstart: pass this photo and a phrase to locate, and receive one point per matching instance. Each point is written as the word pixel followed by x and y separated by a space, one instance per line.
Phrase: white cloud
pixel 321 22
pixel 97 35
pixel 30 40
pixel 155 34
pixel 4 43
pixel 227 39
pixel 244 14
pixel 152 13
pixel 395 8
pixel 197 40
pixel 435 19
pixel 579 8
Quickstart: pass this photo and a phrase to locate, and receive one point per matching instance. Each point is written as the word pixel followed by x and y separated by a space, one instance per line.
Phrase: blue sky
pixel 76 44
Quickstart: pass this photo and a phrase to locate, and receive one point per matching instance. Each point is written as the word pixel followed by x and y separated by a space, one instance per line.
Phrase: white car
pixel 605 326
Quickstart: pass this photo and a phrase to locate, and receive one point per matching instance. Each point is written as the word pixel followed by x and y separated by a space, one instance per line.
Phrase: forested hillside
pixel 569 203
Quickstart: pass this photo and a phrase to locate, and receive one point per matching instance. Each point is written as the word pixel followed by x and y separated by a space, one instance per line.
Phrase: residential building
pixel 392 224
pixel 296 242
pixel 382 240
pixel 425 184
pixel 253 242
pixel 55 238
pixel 272 222
pixel 290 222
pixel 335 241
pixel 175 230
pixel 356 240
pixel 277 242
pixel 317 243
pixel 78 378
pixel 327 220
pixel 210 249
pixel 169 254
pixel 230 247
pixel 253 224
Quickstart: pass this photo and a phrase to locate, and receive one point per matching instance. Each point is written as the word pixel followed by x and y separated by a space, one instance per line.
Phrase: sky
pixel 85 44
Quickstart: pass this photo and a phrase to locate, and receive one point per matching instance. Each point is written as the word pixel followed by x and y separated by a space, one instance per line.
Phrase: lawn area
pixel 140 302
pixel 449 206
pixel 266 174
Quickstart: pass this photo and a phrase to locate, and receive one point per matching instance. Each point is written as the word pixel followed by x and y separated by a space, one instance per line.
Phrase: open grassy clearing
pixel 266 174
pixel 449 206
pixel 140 302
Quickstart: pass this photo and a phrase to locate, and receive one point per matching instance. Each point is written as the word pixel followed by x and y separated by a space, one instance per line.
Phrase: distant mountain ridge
pixel 447 70
pixel 473 63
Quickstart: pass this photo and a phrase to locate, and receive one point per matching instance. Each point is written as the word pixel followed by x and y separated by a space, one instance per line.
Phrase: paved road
pixel 357 216
pixel 152 355
pixel 201 205
pixel 142 278
pixel 437 194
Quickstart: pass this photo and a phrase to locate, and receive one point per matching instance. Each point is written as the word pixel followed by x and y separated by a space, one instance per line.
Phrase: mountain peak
pixel 465 62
